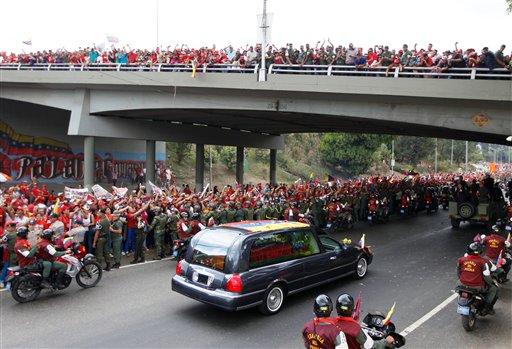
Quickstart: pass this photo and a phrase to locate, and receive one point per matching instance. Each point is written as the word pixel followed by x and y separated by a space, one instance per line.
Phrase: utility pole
pixel 392 155
pixel 157 29
pixel 467 156
pixel 262 73
pixel 211 174
pixel 435 162
pixel 451 158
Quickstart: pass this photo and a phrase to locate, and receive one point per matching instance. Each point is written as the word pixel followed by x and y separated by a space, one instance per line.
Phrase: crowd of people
pixel 322 54
pixel 126 223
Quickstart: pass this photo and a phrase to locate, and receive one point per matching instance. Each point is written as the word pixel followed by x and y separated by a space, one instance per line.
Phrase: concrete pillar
pixel 273 166
pixel 150 164
pixel 240 165
pixel 89 162
pixel 200 167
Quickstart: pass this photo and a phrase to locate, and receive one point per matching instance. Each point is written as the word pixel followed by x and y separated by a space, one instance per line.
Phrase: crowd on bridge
pixel 439 60
pixel 155 218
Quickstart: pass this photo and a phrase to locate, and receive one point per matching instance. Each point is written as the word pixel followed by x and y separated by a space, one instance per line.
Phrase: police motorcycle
pixel 445 197
pixel 431 202
pixel 506 264
pixel 470 305
pixel 179 248
pixel 26 285
pixel 374 326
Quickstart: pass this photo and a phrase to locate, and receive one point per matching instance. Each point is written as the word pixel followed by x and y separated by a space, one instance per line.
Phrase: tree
pixel 509 6
pixel 354 152
pixel 413 149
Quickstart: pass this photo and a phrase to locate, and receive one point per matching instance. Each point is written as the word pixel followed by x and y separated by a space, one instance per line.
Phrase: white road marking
pixel 124 266
pixel 428 315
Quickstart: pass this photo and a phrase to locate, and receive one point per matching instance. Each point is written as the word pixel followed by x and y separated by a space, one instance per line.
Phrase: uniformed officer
pixel 172 223
pixel 101 238
pixel 321 332
pixel 474 272
pixel 240 213
pixel 230 212
pixel 158 225
pixel 140 236
pixel 260 212
pixel 116 236
pixel 184 226
pixel 47 252
pixel 250 210
pixel 221 215
pixel 10 238
pixel 353 335
pixel 27 255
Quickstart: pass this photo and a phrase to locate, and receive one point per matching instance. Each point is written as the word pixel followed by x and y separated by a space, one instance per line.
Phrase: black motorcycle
pixel 179 248
pixel 373 325
pixel 470 304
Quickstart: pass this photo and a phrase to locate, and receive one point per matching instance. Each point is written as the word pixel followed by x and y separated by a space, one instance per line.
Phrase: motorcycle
pixel 179 248
pixel 470 304
pixel 26 286
pixel 373 325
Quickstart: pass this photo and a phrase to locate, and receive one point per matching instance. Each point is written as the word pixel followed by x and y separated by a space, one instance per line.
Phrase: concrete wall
pixel 38 146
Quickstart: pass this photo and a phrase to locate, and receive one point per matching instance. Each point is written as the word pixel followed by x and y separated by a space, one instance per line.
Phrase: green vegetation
pixel 338 154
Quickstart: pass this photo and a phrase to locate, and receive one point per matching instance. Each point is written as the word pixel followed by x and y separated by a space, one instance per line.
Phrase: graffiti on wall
pixel 26 157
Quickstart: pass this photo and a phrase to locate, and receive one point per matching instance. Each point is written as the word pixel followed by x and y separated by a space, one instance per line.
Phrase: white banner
pixel 120 192
pixel 100 192
pixel 75 193
pixel 155 189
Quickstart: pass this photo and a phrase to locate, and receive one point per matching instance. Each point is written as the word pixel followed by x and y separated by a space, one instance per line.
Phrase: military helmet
pixel 345 305
pixel 22 232
pixel 47 234
pixel 323 306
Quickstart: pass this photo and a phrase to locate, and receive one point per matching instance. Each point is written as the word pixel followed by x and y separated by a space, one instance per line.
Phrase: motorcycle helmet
pixel 475 248
pixel 495 228
pixel 184 214
pixel 47 234
pixel 195 215
pixel 345 305
pixel 22 232
pixel 323 306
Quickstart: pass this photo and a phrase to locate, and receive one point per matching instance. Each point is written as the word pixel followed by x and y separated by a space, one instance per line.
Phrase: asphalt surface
pixel 133 307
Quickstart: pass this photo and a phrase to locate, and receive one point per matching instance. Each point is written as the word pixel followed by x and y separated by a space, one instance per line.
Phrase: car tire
pixel 361 268
pixel 273 300
pixel 466 210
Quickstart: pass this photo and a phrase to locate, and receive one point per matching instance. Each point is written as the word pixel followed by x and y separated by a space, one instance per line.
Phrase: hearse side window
pixel 279 247
pixel 329 244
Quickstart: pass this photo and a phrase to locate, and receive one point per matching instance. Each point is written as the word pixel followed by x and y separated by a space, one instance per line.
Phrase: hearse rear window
pixel 212 247
pixel 279 247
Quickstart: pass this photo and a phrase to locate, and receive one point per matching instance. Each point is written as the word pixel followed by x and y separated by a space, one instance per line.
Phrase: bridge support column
pixel 273 166
pixel 150 164
pixel 200 168
pixel 89 162
pixel 240 165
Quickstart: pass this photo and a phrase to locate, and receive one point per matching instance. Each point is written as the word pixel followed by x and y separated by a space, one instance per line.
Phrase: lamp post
pixel 262 73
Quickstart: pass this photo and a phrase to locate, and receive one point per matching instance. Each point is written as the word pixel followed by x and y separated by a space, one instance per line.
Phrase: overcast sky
pixel 73 24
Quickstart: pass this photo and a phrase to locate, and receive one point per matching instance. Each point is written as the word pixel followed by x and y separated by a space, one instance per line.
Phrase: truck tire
pixel 466 210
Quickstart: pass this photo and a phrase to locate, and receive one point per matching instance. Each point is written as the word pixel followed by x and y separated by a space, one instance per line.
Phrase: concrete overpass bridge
pixel 235 109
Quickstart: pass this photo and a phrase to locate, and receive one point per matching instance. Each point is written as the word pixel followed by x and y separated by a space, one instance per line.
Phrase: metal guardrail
pixel 321 70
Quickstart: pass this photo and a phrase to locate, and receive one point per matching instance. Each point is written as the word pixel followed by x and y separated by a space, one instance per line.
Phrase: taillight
pixel 465 295
pixel 234 283
pixel 10 273
pixel 178 267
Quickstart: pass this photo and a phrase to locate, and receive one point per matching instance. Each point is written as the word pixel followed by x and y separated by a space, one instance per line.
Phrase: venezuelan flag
pixel 499 262
pixel 387 320
pixel 361 242
pixel 56 206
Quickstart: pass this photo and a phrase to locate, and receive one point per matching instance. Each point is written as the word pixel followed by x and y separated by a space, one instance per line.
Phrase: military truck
pixel 486 213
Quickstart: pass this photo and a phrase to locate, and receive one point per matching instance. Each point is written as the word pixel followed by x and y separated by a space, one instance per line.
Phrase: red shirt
pixel 351 329
pixel 494 245
pixel 131 221
pixel 23 245
pixel 320 333
pixel 471 270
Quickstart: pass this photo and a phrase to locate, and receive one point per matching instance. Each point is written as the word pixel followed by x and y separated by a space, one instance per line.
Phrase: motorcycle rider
pixel 47 252
pixel 355 336
pixel 321 332
pixel 27 255
pixel 474 272
pixel 495 246
pixel 184 226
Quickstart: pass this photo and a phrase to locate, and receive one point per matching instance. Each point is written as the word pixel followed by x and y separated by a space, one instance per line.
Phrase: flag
pixel 211 222
pixel 311 175
pixel 387 320
pixel 56 206
pixel 155 189
pixel 193 68
pixel 357 308
pixel 508 237
pixel 361 242
pixel 113 39
pixel 298 181
pixel 499 262
pixel 27 42
pixel 329 178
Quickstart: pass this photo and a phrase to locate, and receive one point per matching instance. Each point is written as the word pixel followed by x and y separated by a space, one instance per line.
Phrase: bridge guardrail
pixel 325 70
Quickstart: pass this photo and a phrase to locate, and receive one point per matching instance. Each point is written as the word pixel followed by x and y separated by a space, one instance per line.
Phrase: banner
pixel 100 192
pixel 75 193
pixel 155 189
pixel 120 192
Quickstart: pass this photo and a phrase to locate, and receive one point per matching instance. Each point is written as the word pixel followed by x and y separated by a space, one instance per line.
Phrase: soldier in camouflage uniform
pixel 260 212
pixel 172 223
pixel 240 213
pixel 158 225
pixel 116 236
pixel 250 211
pixel 231 212
pixel 221 215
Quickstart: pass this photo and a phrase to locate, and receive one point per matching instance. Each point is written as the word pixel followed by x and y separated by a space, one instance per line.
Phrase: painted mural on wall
pixel 24 157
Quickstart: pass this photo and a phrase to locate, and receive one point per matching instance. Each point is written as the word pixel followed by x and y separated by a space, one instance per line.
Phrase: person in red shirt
pixel 494 244
pixel 474 272
pixel 321 332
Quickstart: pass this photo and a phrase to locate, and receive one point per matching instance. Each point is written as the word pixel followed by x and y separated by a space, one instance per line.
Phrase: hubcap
pixel 275 298
pixel 361 267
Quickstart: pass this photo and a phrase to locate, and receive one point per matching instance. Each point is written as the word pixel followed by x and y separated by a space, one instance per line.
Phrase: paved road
pixel 134 307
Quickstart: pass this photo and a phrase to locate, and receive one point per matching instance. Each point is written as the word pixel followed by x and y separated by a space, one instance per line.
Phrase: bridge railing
pixel 321 70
